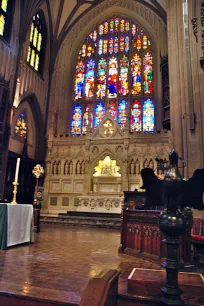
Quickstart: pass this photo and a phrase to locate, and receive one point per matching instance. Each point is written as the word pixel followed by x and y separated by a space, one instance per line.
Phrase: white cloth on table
pixel 19 223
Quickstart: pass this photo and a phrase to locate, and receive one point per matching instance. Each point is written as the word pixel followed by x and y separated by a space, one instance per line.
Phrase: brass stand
pixel 15 192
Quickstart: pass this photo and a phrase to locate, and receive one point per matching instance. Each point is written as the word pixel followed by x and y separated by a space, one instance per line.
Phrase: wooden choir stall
pixel 140 233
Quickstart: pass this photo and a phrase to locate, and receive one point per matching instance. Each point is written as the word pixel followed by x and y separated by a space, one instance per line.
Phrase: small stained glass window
pixel 5 18
pixel 21 126
pixel 35 55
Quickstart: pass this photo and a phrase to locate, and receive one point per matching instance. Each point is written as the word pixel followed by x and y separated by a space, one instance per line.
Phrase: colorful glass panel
pixel 123 77
pixel 28 55
pixel 148 116
pixel 37 62
pixel 116 45
pixel 31 32
pixel 113 109
pixel 35 37
pixel 122 43
pixel 105 46
pixel 122 25
pixel 145 42
pixel 87 116
pixel 122 116
pixel 117 23
pixel 76 120
pixel 2 24
pixel 136 124
pixel 105 27
pixel 136 74
pixel 127 26
pixel 101 79
pixel 39 41
pixel 89 79
pixel 147 74
pixel 83 50
pixel 134 29
pixel 101 28
pixel 127 44
pixel 4 4
pixel 100 46
pixel 79 81
pixel 112 77
pixel 99 113
pixel 112 26
pixel 111 45
pixel 90 50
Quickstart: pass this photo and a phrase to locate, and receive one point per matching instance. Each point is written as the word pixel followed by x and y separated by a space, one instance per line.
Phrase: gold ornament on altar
pixel 38 171
pixel 107 167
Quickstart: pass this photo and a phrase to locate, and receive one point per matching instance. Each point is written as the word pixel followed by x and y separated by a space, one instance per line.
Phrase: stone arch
pixel 36 137
pixel 66 58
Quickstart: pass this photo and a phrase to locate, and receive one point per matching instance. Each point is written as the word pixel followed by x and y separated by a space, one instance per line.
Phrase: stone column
pixel 185 83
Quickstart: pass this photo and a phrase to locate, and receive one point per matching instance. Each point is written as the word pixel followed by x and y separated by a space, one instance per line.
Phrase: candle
pixel 17 169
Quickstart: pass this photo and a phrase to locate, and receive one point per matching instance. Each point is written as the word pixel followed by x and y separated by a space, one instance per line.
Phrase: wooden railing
pixel 102 290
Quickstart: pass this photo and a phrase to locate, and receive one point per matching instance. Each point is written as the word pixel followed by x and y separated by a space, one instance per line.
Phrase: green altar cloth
pixel 3 227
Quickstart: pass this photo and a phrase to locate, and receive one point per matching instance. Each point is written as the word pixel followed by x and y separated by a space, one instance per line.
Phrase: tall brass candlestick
pixel 15 192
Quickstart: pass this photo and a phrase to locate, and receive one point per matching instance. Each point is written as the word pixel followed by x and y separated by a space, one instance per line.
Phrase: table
pixel 15 224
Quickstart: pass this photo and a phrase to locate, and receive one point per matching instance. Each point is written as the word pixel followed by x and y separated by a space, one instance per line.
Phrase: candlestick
pixel 17 169
pixel 15 192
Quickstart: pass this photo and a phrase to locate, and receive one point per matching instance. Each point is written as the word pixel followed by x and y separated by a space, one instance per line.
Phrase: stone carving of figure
pixel 48 167
pixel 54 168
pixel 59 168
pixel 70 168
pixel 137 167
pixel 66 168
pixel 78 168
pixel 82 168
pixel 132 167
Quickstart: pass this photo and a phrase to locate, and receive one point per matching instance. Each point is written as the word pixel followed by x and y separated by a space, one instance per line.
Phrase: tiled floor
pixel 62 260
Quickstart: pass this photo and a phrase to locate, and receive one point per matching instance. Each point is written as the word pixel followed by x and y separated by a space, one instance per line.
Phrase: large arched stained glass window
pixel 114 72
pixel 35 54
pixel 6 8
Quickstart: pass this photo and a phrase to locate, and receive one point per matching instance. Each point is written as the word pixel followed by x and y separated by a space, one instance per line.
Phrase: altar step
pixel 86 219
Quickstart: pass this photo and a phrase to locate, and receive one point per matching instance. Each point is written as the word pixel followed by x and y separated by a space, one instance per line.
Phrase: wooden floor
pixel 59 264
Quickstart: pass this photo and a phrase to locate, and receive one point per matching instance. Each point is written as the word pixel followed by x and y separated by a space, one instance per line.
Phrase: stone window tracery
pixel 5 18
pixel 114 69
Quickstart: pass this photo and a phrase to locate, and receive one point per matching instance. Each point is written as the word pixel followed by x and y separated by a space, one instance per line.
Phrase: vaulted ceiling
pixel 63 14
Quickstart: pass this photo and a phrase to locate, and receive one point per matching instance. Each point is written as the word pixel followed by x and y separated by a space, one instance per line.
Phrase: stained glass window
pixel 147 82
pixel 89 79
pixel 101 78
pixel 21 126
pixel 113 109
pixel 87 117
pixel 76 120
pixel 136 124
pixel 79 81
pixel 35 53
pixel 148 116
pixel 122 116
pixel 5 18
pixel 112 77
pixel 123 78
pixel 114 62
pixel 99 113
pixel 136 74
